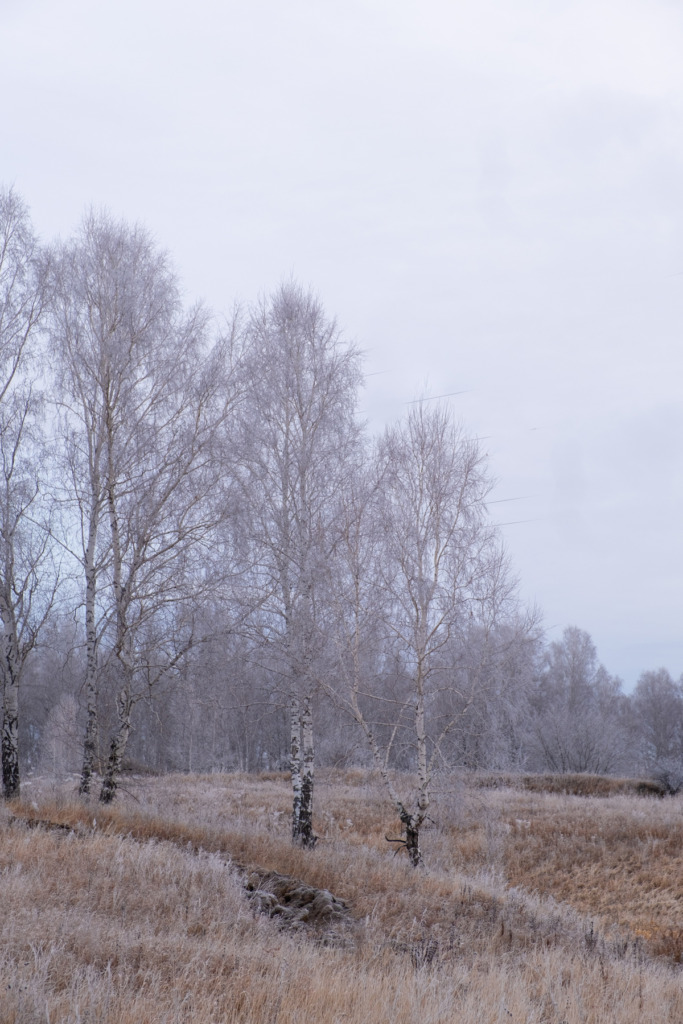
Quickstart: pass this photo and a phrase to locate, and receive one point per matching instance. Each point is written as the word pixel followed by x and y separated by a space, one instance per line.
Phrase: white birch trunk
pixel 295 764
pixel 10 703
pixel 117 750
pixel 10 741
pixel 91 725
pixel 124 700
pixel 306 835
pixel 411 822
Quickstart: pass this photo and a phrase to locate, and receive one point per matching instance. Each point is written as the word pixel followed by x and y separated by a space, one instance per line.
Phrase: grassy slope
pixel 128 922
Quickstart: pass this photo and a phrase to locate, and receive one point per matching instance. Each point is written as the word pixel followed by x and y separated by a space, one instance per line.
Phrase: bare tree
pixel 493 733
pixel 578 722
pixel 141 403
pixel 658 707
pixel 301 432
pixel 657 713
pixel 424 568
pixel 26 587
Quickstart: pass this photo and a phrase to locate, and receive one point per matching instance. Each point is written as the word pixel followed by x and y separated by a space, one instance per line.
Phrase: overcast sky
pixel 487 194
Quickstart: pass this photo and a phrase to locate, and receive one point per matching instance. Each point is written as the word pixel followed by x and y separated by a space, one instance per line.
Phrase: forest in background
pixel 208 564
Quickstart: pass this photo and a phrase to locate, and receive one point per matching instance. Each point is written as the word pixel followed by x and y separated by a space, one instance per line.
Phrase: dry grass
pixel 143 918
pixel 623 864
pixel 571 784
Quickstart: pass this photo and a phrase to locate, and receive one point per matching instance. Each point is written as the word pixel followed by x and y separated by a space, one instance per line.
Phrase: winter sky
pixel 488 194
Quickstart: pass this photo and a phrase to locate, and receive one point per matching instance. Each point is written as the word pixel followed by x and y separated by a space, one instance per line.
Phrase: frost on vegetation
pixel 295 904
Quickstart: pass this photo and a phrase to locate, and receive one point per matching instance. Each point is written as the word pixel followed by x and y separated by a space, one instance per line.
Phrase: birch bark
pixel 92 573
pixel 117 749
pixel 90 742
pixel 295 766
pixel 10 740
pixel 306 834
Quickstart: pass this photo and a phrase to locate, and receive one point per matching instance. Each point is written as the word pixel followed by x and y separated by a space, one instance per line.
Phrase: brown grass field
pixel 534 907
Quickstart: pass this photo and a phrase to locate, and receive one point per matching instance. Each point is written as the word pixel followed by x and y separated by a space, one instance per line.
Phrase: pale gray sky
pixel 488 194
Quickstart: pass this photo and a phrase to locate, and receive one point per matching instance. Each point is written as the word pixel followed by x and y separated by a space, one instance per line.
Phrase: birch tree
pixel 26 585
pixel 657 705
pixel 423 565
pixel 301 432
pixel 579 724
pixel 141 403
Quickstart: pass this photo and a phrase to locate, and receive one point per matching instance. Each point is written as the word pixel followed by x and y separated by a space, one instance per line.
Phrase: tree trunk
pixel 306 836
pixel 295 766
pixel 91 725
pixel 10 742
pixel 10 702
pixel 90 742
pixel 124 700
pixel 412 823
pixel 124 704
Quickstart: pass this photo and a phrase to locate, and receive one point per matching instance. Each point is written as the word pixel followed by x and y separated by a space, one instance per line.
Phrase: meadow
pixel 535 905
